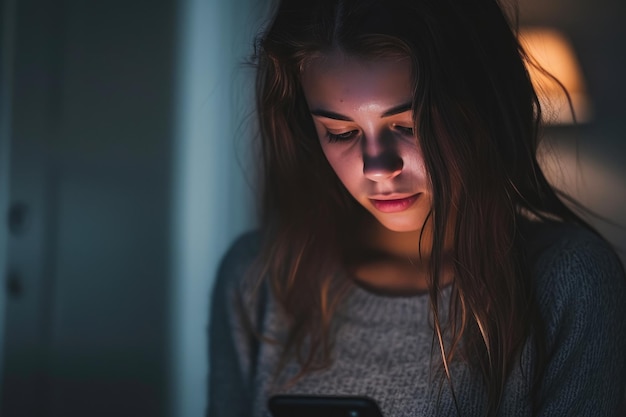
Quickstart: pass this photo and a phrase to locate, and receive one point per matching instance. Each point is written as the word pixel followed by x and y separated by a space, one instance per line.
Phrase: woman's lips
pixel 394 205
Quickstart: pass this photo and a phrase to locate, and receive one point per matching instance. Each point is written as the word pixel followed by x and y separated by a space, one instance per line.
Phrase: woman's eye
pixel 404 130
pixel 341 137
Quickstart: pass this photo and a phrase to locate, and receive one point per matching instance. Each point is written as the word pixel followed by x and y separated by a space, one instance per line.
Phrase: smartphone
pixel 322 406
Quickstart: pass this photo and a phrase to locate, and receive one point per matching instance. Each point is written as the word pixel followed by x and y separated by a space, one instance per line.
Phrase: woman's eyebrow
pixel 330 115
pixel 397 110
pixel 336 116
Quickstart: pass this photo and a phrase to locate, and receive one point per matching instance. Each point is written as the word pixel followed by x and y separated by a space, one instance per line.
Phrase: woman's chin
pixel 400 225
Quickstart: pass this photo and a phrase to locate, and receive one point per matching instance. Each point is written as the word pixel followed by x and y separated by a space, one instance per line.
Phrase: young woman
pixel 411 249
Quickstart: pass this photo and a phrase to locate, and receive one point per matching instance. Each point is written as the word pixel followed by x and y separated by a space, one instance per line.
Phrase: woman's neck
pixel 395 262
pixel 404 245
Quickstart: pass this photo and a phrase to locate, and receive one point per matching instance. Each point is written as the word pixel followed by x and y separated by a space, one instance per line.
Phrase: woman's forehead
pixel 337 77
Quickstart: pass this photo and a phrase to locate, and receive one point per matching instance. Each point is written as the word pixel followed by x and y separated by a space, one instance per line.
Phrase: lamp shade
pixel 552 52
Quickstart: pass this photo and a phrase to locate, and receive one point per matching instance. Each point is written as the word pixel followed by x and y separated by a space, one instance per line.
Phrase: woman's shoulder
pixel 571 251
pixel 577 274
pixel 244 249
pixel 237 261
pixel 579 287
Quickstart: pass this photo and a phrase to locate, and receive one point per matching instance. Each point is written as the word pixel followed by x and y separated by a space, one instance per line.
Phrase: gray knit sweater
pixel 384 345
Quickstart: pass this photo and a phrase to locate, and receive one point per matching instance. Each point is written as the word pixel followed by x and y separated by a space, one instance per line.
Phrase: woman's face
pixel 362 114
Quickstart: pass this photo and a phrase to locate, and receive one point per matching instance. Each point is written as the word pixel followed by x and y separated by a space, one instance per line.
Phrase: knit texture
pixel 384 346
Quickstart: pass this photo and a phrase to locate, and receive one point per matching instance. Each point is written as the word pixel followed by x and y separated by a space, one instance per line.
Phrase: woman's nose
pixel 384 165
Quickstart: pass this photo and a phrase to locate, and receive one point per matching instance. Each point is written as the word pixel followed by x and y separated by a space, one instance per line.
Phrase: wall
pixel 214 188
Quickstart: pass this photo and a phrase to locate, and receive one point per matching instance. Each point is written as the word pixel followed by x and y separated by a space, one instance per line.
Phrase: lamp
pixel 551 50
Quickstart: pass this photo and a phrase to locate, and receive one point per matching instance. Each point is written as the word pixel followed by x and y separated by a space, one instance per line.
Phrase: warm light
pixel 552 51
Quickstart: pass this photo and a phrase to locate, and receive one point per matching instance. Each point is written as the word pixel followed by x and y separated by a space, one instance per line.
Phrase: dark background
pixel 590 159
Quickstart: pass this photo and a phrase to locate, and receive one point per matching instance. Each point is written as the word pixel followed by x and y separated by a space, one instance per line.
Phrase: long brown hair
pixel 477 121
